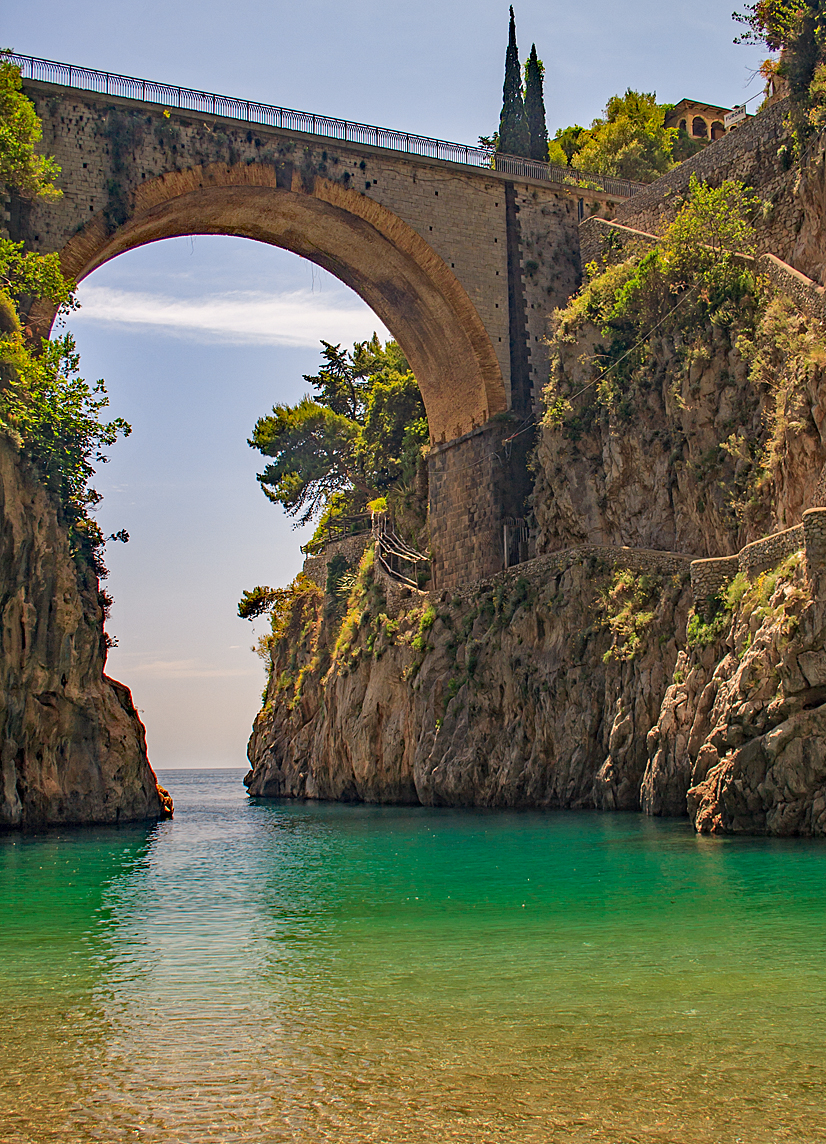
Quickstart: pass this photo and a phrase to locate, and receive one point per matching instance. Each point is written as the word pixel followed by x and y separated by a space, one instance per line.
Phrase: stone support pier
pixel 476 482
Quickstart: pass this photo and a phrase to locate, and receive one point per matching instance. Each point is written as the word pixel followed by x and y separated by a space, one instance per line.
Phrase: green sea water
pixel 299 972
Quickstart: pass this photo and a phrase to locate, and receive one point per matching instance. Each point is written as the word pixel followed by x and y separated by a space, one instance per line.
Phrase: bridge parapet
pixel 305 122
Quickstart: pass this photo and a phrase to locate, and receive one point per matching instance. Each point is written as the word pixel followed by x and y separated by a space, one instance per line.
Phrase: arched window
pixel 699 128
pixel 717 130
pixel 683 125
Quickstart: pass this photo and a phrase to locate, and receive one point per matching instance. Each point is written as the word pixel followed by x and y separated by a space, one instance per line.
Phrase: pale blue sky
pixel 197 338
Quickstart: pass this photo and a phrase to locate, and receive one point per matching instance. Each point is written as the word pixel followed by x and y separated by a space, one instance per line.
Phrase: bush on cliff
pixel 31 175
pixel 694 277
pixel 796 29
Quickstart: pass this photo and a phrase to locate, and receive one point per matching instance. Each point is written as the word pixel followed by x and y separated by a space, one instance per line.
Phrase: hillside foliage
pixel 797 30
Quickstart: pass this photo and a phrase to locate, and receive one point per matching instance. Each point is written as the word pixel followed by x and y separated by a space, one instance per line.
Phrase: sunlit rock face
pixel 741 738
pixel 72 747
pixel 514 694
pixel 566 682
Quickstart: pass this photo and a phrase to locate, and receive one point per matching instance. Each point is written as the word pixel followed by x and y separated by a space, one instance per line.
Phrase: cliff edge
pixel 72 747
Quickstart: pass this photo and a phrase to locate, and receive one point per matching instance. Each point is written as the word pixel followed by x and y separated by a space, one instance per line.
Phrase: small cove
pixel 301 972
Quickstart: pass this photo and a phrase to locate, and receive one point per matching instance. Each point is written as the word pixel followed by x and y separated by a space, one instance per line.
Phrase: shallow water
pixel 292 972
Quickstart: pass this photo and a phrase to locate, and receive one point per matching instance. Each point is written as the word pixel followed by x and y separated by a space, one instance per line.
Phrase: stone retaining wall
pixel 806 294
pixel 766 553
pixel 350 547
pixel 641 560
pixel 476 482
pixel 709 576
pixel 814 531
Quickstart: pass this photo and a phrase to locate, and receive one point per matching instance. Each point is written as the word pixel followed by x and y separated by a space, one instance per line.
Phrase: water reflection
pixel 55 939
pixel 309 973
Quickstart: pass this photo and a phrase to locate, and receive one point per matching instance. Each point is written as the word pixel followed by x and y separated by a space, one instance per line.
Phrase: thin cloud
pixel 297 318
pixel 186 669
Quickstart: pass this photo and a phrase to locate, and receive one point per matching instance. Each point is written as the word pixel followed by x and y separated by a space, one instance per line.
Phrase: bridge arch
pixel 364 244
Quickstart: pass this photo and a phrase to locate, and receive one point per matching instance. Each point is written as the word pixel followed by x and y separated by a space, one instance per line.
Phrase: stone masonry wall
pixel 466 513
pixel 806 294
pixel 350 547
pixel 105 145
pixel 550 269
pixel 708 576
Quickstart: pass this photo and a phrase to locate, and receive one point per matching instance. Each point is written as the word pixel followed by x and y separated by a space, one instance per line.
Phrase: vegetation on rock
pixel 796 29
pixel 50 413
pixel 695 277
pixel 22 169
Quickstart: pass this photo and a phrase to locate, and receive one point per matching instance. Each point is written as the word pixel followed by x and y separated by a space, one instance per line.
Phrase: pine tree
pixel 535 107
pixel 514 135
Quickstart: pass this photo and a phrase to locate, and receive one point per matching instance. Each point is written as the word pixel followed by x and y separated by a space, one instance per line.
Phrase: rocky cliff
pixel 72 747
pixel 590 676
pixel 714 436
pixel 535 689
pixel 584 679
pixel 742 730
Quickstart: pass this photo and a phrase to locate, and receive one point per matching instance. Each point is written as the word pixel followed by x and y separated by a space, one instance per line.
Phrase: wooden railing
pixel 396 557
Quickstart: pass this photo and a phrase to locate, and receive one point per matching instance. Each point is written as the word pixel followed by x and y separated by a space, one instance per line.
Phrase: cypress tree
pixel 535 107
pixel 514 136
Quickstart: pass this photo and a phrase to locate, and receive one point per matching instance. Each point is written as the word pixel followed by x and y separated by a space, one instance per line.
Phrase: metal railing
pixel 286 119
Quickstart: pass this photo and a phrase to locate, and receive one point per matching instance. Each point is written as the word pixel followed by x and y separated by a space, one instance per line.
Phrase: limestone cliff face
pixel 743 725
pixel 72 748
pixel 529 691
pixel 719 439
pixel 583 678
pixel 565 683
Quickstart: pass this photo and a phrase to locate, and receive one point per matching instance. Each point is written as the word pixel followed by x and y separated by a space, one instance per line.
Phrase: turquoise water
pixel 292 972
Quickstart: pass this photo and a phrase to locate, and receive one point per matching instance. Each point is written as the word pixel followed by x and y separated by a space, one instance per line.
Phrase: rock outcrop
pixel 72 748
pixel 535 689
pixel 742 731
pixel 571 683
pixel 719 438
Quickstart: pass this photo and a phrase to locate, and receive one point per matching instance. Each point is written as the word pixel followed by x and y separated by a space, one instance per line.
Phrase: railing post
pixel 70 76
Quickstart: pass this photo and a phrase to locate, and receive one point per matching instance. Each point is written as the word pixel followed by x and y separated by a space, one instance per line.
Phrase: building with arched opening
pixel 701 121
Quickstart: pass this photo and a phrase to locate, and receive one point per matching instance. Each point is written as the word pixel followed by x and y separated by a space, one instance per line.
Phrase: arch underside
pixel 363 244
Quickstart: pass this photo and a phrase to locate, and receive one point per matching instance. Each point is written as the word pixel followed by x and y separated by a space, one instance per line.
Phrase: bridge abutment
pixel 476 483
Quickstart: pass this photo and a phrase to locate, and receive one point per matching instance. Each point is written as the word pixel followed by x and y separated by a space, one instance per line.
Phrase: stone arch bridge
pixel 462 262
